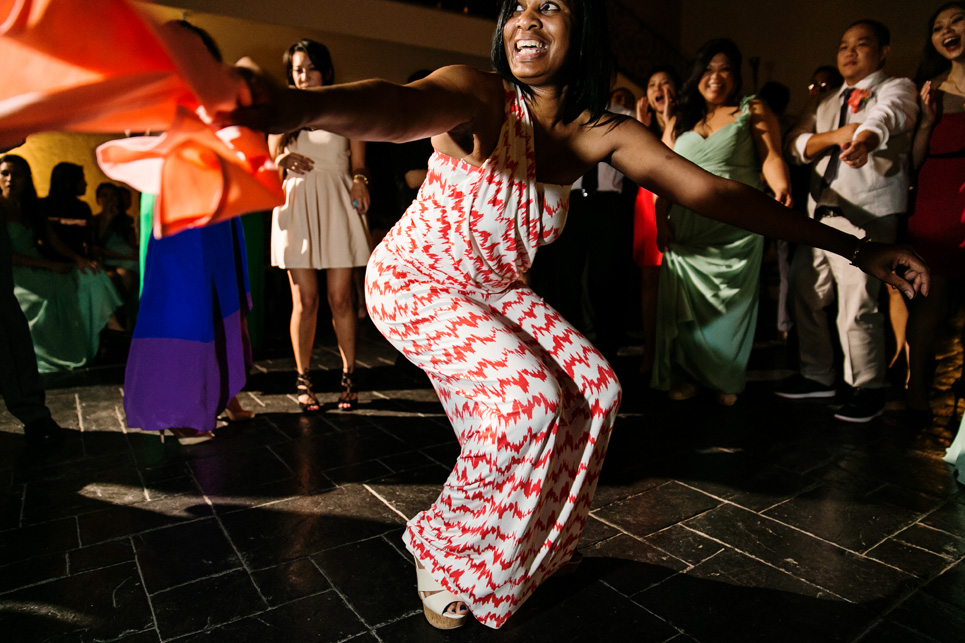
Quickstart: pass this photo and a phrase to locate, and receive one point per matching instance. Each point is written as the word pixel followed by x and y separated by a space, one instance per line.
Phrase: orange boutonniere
pixel 858 99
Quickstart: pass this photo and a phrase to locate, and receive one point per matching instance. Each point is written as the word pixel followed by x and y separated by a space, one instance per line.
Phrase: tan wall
pixel 795 36
pixel 44 151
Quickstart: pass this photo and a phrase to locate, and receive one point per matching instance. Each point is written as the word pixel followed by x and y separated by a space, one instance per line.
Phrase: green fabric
pixel 146 228
pixel 707 301
pixel 65 312
pixel 955 455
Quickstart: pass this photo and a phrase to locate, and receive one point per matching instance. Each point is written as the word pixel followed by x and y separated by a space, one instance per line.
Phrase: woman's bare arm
pixel 371 110
pixel 767 137
pixel 636 153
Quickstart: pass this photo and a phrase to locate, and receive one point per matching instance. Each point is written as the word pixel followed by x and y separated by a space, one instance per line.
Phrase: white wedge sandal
pixel 435 604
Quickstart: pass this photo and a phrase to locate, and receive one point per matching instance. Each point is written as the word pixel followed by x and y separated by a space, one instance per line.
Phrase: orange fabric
pixel 201 176
pixel 102 66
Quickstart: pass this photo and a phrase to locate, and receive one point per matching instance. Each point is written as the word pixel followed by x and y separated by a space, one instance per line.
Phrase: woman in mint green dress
pixel 66 304
pixel 707 302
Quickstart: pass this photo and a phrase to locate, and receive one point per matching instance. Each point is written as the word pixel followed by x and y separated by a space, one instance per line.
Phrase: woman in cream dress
pixel 321 226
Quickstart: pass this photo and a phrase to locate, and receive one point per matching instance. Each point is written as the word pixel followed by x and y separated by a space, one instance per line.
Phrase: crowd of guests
pixel 848 161
pixel 531 400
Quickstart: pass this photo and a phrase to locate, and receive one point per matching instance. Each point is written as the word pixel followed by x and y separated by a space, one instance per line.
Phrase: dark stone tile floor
pixel 767 521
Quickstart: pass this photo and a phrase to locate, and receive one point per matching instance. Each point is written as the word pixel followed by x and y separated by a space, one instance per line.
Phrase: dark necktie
pixel 831 171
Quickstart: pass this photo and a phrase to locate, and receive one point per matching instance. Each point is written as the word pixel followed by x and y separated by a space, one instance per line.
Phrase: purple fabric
pixel 178 383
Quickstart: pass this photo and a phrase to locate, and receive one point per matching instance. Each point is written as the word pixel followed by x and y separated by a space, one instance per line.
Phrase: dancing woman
pixel 531 401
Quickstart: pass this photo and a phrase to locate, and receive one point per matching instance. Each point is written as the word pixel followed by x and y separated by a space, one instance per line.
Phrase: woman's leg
pixel 924 321
pixel 532 404
pixel 341 299
pixel 304 285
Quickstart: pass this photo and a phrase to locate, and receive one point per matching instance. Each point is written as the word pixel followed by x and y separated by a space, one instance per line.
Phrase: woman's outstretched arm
pixel 372 110
pixel 643 159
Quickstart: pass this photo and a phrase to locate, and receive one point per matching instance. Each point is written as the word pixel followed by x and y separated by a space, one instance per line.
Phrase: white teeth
pixel 530 44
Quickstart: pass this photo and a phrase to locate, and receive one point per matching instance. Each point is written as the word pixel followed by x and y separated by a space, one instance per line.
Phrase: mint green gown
pixel 65 312
pixel 707 302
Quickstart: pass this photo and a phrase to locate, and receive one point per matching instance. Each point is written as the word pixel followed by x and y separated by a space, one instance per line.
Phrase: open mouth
pixel 530 45
pixel 952 42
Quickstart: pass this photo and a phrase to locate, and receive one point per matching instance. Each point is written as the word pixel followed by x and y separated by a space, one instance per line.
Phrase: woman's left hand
pixel 899 266
pixel 360 196
pixel 784 198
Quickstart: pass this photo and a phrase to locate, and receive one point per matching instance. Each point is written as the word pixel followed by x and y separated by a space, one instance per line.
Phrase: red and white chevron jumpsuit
pixel 531 401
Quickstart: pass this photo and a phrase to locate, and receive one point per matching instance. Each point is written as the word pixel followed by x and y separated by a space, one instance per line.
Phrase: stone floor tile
pixel 183 553
pixel 908 558
pixel 685 544
pixel 596 531
pixel 929 616
pixel 98 556
pixel 840 516
pixel 656 508
pixel 846 574
pixel 11 505
pixel 103 605
pixel 31 572
pixel 44 501
pixel 298 527
pixel 628 565
pixel 371 576
pixel 410 492
pixel 322 618
pixel 947 545
pixel 237 472
pixel 732 597
pixel 891 632
pixel 949 517
pixel 290 581
pixel 117 522
pixel 949 586
pixel 206 603
pixel 33 541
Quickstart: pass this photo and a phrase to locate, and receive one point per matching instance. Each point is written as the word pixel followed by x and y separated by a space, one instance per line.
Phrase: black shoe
pixel 799 387
pixel 43 433
pixel 865 405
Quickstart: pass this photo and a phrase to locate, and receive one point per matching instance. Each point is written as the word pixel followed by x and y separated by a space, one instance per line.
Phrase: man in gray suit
pixel 857 141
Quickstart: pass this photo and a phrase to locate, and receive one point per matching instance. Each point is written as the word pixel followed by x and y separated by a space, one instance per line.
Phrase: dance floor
pixel 767 521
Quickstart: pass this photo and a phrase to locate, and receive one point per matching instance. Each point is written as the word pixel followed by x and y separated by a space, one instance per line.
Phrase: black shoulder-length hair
pixel 317 53
pixel 691 106
pixel 321 59
pixel 589 64
pixel 30 210
pixel 933 63
pixel 675 78
pixel 63 181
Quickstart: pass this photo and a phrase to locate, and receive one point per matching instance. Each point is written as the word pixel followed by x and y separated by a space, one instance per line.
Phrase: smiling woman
pixel 532 402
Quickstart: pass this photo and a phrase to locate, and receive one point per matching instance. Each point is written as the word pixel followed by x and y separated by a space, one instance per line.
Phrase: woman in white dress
pixel 321 226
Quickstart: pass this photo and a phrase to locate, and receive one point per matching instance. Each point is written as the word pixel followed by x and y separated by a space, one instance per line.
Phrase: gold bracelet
pixel 361 177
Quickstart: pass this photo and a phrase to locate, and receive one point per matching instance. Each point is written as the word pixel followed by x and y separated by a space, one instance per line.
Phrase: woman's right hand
pixel 295 163
pixel 643 111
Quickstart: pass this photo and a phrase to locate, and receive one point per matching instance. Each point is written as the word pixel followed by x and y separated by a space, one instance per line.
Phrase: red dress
pixel 645 251
pixel 937 228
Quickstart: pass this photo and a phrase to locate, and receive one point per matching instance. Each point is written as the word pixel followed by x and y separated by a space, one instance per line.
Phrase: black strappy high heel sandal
pixel 349 398
pixel 303 388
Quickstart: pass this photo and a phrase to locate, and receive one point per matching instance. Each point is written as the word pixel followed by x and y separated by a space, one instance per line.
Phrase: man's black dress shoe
pixel 43 433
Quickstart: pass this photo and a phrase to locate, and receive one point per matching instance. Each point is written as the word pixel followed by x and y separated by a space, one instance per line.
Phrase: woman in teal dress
pixel 707 302
pixel 67 305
